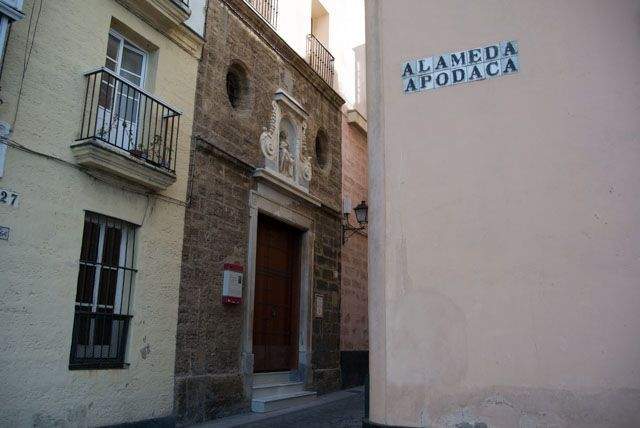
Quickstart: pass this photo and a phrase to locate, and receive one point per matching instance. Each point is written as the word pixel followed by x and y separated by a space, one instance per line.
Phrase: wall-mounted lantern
pixel 362 213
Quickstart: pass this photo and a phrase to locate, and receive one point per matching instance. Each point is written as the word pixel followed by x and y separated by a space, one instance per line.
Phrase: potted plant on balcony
pixel 136 152
pixel 158 152
pixel 106 130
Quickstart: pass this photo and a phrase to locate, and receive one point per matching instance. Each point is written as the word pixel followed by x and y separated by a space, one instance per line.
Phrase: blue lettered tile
pixel 442 78
pixel 474 56
pixel 509 48
pixel 510 65
pixel 425 82
pixel 491 52
pixel 424 65
pixel 408 69
pixel 492 69
pixel 441 62
pixel 475 72
pixel 458 59
pixel 410 85
pixel 458 75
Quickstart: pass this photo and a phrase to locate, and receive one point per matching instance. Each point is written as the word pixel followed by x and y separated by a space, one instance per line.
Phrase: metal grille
pixel 123 115
pixel 103 293
pixel 268 9
pixel 320 59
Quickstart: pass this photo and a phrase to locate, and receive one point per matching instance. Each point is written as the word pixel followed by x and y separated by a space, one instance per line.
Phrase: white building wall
pixel 294 23
pixel 344 33
pixel 504 220
pixel 39 261
pixel 198 16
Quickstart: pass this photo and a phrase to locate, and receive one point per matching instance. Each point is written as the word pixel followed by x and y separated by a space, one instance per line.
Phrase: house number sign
pixel 8 197
pixel 437 71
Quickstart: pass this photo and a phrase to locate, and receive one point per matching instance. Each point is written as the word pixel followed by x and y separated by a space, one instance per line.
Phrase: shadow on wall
pixel 354 368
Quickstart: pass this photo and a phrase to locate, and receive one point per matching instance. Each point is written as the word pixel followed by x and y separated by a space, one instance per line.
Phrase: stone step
pixel 270 378
pixel 277 402
pixel 267 390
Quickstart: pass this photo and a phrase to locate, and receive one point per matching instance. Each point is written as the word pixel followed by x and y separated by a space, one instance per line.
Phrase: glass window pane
pixel 112 238
pixel 83 326
pixel 107 290
pixel 127 103
pixel 131 112
pixel 131 61
pixel 110 64
pixel 90 239
pixel 131 78
pixel 84 291
pixel 107 87
pixel 113 45
pixel 88 253
pixel 102 329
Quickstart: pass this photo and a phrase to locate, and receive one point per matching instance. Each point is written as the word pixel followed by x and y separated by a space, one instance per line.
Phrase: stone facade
pixel 354 337
pixel 213 376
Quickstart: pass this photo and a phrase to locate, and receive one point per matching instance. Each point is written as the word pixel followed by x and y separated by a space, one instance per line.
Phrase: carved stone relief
pixel 283 142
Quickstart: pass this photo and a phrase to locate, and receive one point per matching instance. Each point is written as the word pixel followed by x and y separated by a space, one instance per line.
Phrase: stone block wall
pixel 326 329
pixel 208 381
pixel 235 37
pixel 354 333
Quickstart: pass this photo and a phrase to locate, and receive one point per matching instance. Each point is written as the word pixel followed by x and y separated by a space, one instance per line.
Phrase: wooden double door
pixel 276 301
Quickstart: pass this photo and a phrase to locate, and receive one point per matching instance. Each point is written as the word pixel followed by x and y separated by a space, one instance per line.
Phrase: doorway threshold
pixel 251 418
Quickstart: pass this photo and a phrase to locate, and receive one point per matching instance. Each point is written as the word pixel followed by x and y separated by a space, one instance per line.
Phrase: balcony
pixel 127 132
pixel 159 13
pixel 320 59
pixel 267 9
pixel 169 17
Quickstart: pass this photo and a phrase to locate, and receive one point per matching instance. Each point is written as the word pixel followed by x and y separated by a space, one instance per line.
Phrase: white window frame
pixel 135 48
pixel 5 25
pixel 123 123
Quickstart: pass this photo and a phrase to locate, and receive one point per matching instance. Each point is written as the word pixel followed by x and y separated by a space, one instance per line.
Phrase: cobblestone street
pixel 344 409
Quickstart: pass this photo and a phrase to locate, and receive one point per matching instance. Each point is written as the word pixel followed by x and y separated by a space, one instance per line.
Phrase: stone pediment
pixel 283 142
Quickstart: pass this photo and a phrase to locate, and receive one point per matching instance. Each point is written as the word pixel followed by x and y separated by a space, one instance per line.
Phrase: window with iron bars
pixel 103 294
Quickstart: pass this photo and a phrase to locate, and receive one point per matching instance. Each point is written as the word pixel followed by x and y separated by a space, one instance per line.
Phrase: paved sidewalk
pixel 343 409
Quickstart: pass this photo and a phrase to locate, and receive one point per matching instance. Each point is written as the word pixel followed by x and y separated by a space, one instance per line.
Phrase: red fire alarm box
pixel 232 284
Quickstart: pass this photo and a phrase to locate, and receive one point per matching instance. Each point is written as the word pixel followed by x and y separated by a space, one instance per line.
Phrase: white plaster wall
pixel 39 263
pixel 294 23
pixel 320 28
pixel 198 16
pixel 344 33
pixel 504 218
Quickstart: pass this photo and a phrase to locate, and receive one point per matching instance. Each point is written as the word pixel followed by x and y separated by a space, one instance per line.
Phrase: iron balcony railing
pixel 184 2
pixel 121 114
pixel 320 59
pixel 268 9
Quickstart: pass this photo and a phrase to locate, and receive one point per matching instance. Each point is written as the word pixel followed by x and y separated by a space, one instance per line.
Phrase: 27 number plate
pixel 8 197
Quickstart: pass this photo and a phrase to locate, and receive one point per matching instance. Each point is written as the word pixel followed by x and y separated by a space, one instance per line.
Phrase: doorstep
pixel 247 418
